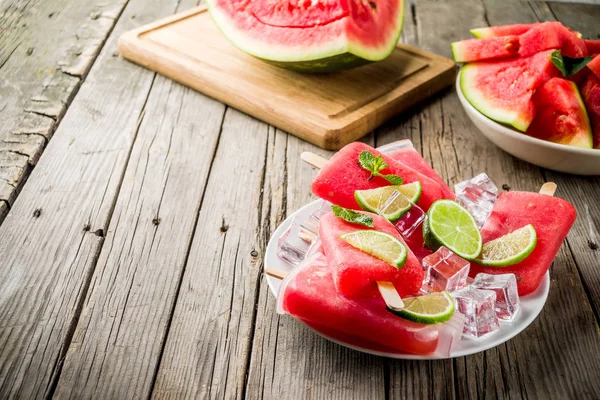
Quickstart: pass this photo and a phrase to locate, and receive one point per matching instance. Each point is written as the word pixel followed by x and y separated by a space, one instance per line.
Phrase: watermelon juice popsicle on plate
pixel 309 294
pixel 341 176
pixel 552 219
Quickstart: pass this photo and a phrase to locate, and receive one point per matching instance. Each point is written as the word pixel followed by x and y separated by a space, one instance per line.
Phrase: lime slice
pixel 374 200
pixel 450 224
pixel 430 309
pixel 378 244
pixel 508 249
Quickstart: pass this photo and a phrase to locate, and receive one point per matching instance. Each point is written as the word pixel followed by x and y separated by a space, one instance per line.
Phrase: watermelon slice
pixel 550 216
pixel 502 30
pixel 309 294
pixel 342 176
pixel 551 35
pixel 594 66
pixel 590 91
pixel 311 36
pixel 502 90
pixel 593 47
pixel 411 157
pixel 355 272
pixel 485 49
pixel 560 115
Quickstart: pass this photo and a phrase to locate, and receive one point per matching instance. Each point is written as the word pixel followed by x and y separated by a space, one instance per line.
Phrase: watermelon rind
pixel 334 55
pixel 586 141
pixel 481 33
pixel 478 100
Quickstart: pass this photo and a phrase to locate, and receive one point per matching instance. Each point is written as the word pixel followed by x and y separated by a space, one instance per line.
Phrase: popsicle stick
pixel 313 159
pixel 276 273
pixel 390 296
pixel 548 188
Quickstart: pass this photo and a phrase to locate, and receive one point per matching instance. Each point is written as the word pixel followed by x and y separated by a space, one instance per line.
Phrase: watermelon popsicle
pixel 309 294
pixel 356 273
pixel 552 219
pixel 341 176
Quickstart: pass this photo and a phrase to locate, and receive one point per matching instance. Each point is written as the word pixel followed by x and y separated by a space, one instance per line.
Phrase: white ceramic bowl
pixel 558 157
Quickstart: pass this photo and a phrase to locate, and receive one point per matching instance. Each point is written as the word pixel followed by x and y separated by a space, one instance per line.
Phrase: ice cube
pixel 479 308
pixel 444 270
pixel 408 223
pixel 394 146
pixel 296 242
pixel 477 195
pixel 505 287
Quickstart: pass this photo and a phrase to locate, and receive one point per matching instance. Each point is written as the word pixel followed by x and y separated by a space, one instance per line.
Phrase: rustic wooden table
pixel 131 251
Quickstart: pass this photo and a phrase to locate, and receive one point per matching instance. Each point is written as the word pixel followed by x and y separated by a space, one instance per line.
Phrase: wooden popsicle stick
pixel 313 159
pixel 548 188
pixel 276 273
pixel 387 289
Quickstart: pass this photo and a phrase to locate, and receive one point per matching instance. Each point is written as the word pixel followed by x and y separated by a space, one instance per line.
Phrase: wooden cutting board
pixel 329 110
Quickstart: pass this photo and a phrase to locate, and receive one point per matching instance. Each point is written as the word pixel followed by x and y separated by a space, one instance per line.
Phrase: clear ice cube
pixel 479 308
pixel 505 287
pixel 444 270
pixel 395 146
pixel 296 242
pixel 477 195
pixel 408 223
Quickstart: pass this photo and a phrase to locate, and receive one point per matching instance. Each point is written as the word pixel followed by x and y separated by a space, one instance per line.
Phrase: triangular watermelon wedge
pixel 502 90
pixel 590 91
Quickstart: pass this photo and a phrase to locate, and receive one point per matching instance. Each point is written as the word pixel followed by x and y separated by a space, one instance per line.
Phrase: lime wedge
pixel 378 244
pixel 430 309
pixel 374 200
pixel 450 224
pixel 508 249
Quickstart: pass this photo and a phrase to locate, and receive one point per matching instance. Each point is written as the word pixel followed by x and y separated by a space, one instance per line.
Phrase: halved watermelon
pixel 502 90
pixel 502 30
pixel 551 35
pixel 593 47
pixel 485 49
pixel 561 116
pixel 311 35
pixel 590 91
pixel 594 66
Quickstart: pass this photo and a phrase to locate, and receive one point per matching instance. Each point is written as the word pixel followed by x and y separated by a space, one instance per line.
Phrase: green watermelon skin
pixel 561 116
pixel 485 49
pixel 552 219
pixel 502 90
pixel 590 91
pixel 502 30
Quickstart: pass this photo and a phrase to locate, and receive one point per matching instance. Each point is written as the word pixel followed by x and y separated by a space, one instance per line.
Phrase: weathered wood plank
pixel 46 48
pixel 51 238
pixel 131 295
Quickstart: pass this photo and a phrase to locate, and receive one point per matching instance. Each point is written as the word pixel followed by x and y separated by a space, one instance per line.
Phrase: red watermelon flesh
pixel 485 49
pixel 502 30
pixel 310 295
pixel 502 90
pixel 561 116
pixel 551 35
pixel 551 217
pixel 594 66
pixel 590 91
pixel 355 272
pixel 411 157
pixel 593 46
pixel 342 176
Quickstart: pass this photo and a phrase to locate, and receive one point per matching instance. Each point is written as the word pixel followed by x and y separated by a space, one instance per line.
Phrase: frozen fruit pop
pixel 550 216
pixel 341 176
pixel 309 294
pixel 355 272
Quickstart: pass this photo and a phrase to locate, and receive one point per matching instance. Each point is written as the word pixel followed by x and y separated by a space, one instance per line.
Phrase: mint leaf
pixel 566 65
pixel 393 179
pixel 367 160
pixel 352 216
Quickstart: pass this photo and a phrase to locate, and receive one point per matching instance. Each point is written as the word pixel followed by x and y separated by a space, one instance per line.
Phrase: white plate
pixel 558 157
pixel 531 305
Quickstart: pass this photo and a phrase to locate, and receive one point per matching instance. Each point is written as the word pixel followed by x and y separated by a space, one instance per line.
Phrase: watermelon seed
pixel 373 5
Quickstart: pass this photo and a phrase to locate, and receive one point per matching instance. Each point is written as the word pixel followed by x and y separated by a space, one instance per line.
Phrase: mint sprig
pixel 352 216
pixel 567 65
pixel 374 164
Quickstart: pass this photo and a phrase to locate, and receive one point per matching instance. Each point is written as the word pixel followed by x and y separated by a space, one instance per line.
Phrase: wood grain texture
pixel 51 238
pixel 329 110
pixel 46 49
